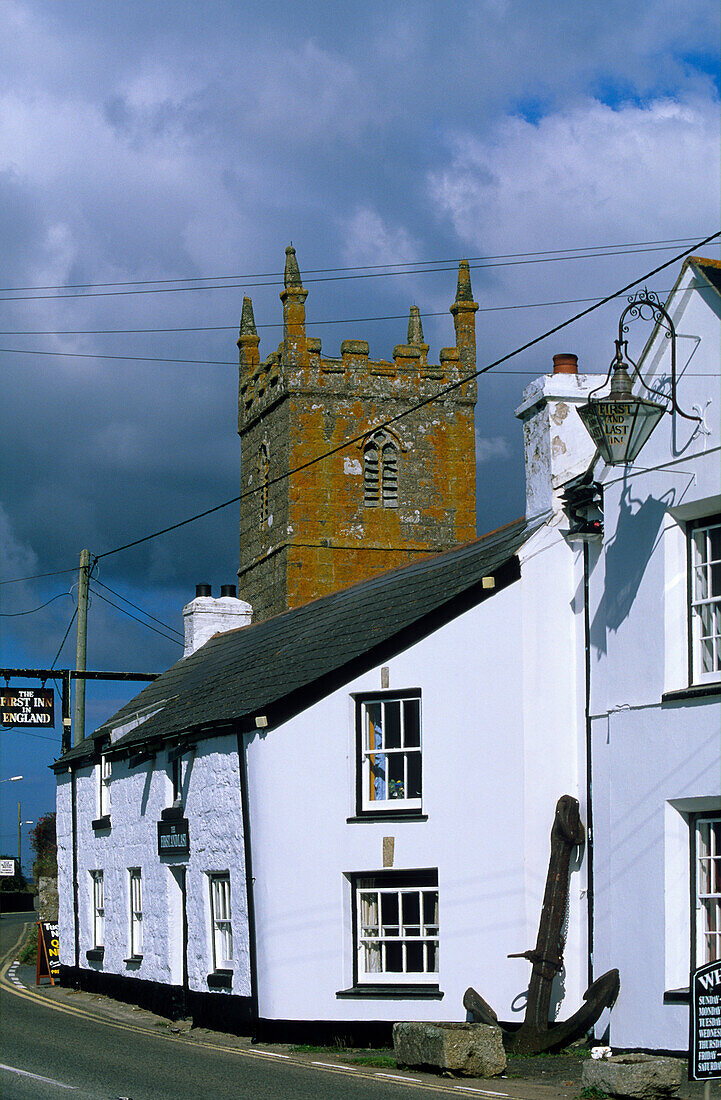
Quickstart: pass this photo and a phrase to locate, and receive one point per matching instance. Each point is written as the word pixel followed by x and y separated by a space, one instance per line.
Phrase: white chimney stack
pixel 557 446
pixel 204 616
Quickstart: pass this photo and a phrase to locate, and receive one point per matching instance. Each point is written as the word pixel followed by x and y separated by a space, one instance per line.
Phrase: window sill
pixel 171 813
pixel 391 993
pixel 676 997
pixel 387 815
pixel 101 823
pixel 133 960
pixel 696 691
pixel 220 979
pixel 95 954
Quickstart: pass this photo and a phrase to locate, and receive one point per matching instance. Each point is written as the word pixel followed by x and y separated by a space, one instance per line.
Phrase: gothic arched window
pixel 380 472
pixel 263 465
pixel 389 475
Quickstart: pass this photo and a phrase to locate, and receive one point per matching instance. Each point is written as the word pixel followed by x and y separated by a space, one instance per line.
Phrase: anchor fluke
pixel 480 1010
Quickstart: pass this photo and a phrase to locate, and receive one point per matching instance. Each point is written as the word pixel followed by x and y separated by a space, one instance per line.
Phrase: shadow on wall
pixel 629 553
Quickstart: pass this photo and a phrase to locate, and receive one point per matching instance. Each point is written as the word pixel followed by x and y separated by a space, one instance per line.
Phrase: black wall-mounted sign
pixel 705 1046
pixel 27 706
pixel 174 838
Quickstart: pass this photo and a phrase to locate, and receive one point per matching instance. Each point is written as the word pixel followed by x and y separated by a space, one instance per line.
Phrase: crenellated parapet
pixel 298 365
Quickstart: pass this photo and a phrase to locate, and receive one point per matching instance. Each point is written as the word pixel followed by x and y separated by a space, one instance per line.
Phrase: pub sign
pixel 173 838
pixel 705 1047
pixel 27 706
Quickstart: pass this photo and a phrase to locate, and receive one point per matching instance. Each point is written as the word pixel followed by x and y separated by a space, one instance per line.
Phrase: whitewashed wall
pixel 211 796
pixel 213 808
pixel 498 751
pixel 654 762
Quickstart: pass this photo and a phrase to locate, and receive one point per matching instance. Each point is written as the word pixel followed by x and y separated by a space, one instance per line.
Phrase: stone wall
pixel 138 797
pixel 48 898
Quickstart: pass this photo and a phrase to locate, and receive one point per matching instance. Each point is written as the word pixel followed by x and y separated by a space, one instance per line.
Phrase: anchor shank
pixel 547 958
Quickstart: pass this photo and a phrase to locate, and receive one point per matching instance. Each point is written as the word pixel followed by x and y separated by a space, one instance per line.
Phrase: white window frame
pixel 98 897
pixel 221 926
pixel 104 777
pixel 707 888
pixel 135 897
pixel 704 602
pixel 374 759
pixel 400 951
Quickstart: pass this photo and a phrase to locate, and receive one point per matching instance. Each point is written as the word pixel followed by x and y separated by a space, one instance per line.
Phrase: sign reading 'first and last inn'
pixel 27 707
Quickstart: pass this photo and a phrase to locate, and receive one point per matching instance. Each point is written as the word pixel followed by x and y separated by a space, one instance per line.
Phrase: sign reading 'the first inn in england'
pixel 27 707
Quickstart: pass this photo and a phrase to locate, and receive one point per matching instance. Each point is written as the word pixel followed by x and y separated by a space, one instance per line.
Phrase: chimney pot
pixel 565 364
pixel 227 590
pixel 203 590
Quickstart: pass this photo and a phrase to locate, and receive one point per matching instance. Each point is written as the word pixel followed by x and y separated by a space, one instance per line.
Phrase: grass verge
pixel 29 950
pixel 380 1061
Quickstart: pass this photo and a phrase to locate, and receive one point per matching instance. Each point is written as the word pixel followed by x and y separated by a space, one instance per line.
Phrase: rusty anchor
pixel 535 1035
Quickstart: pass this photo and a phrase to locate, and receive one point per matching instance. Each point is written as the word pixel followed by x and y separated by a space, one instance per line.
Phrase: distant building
pixel 339 817
pixel 402 491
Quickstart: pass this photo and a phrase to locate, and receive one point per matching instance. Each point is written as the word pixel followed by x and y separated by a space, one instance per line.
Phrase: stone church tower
pixel 399 492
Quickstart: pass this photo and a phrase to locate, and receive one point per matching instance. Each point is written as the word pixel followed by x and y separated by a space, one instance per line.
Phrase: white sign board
pixel 7 868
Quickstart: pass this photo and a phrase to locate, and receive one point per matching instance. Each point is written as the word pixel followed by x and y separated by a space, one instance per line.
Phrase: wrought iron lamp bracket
pixel 644 305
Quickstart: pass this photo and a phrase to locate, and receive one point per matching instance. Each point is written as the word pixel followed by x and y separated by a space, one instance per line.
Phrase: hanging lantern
pixel 620 423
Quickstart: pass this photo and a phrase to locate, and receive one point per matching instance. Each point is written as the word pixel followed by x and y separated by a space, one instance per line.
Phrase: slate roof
pixel 275 667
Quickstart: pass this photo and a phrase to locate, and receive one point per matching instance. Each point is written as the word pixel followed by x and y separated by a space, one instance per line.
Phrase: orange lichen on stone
pixel 398 493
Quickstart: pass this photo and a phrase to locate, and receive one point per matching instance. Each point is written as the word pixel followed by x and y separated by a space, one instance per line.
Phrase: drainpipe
pixel 589 760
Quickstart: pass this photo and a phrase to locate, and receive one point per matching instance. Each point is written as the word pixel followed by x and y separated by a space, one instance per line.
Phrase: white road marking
pixel 483 1092
pixel 37 1077
pixel 329 1065
pixel 271 1054
pixel 395 1077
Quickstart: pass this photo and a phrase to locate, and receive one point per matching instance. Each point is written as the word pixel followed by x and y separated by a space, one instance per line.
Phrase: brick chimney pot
pixel 565 364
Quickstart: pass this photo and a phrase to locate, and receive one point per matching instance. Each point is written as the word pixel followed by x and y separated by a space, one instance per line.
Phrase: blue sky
pixel 168 140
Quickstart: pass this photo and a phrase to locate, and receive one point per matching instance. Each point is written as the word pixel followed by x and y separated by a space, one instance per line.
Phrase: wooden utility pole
pixel 81 653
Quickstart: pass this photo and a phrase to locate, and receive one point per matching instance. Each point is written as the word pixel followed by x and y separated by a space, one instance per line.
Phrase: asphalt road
pixel 47 1054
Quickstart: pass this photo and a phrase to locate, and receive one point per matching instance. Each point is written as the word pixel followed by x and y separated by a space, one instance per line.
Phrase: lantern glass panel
pixel 620 428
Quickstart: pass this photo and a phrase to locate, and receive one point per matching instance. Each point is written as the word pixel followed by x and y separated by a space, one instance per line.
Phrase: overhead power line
pixel 123 611
pixel 201 363
pixel 65 637
pixel 245 285
pixel 15 614
pixel 275 324
pixel 137 608
pixel 37 576
pixel 348 267
pixel 483 370
pixel 418 405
